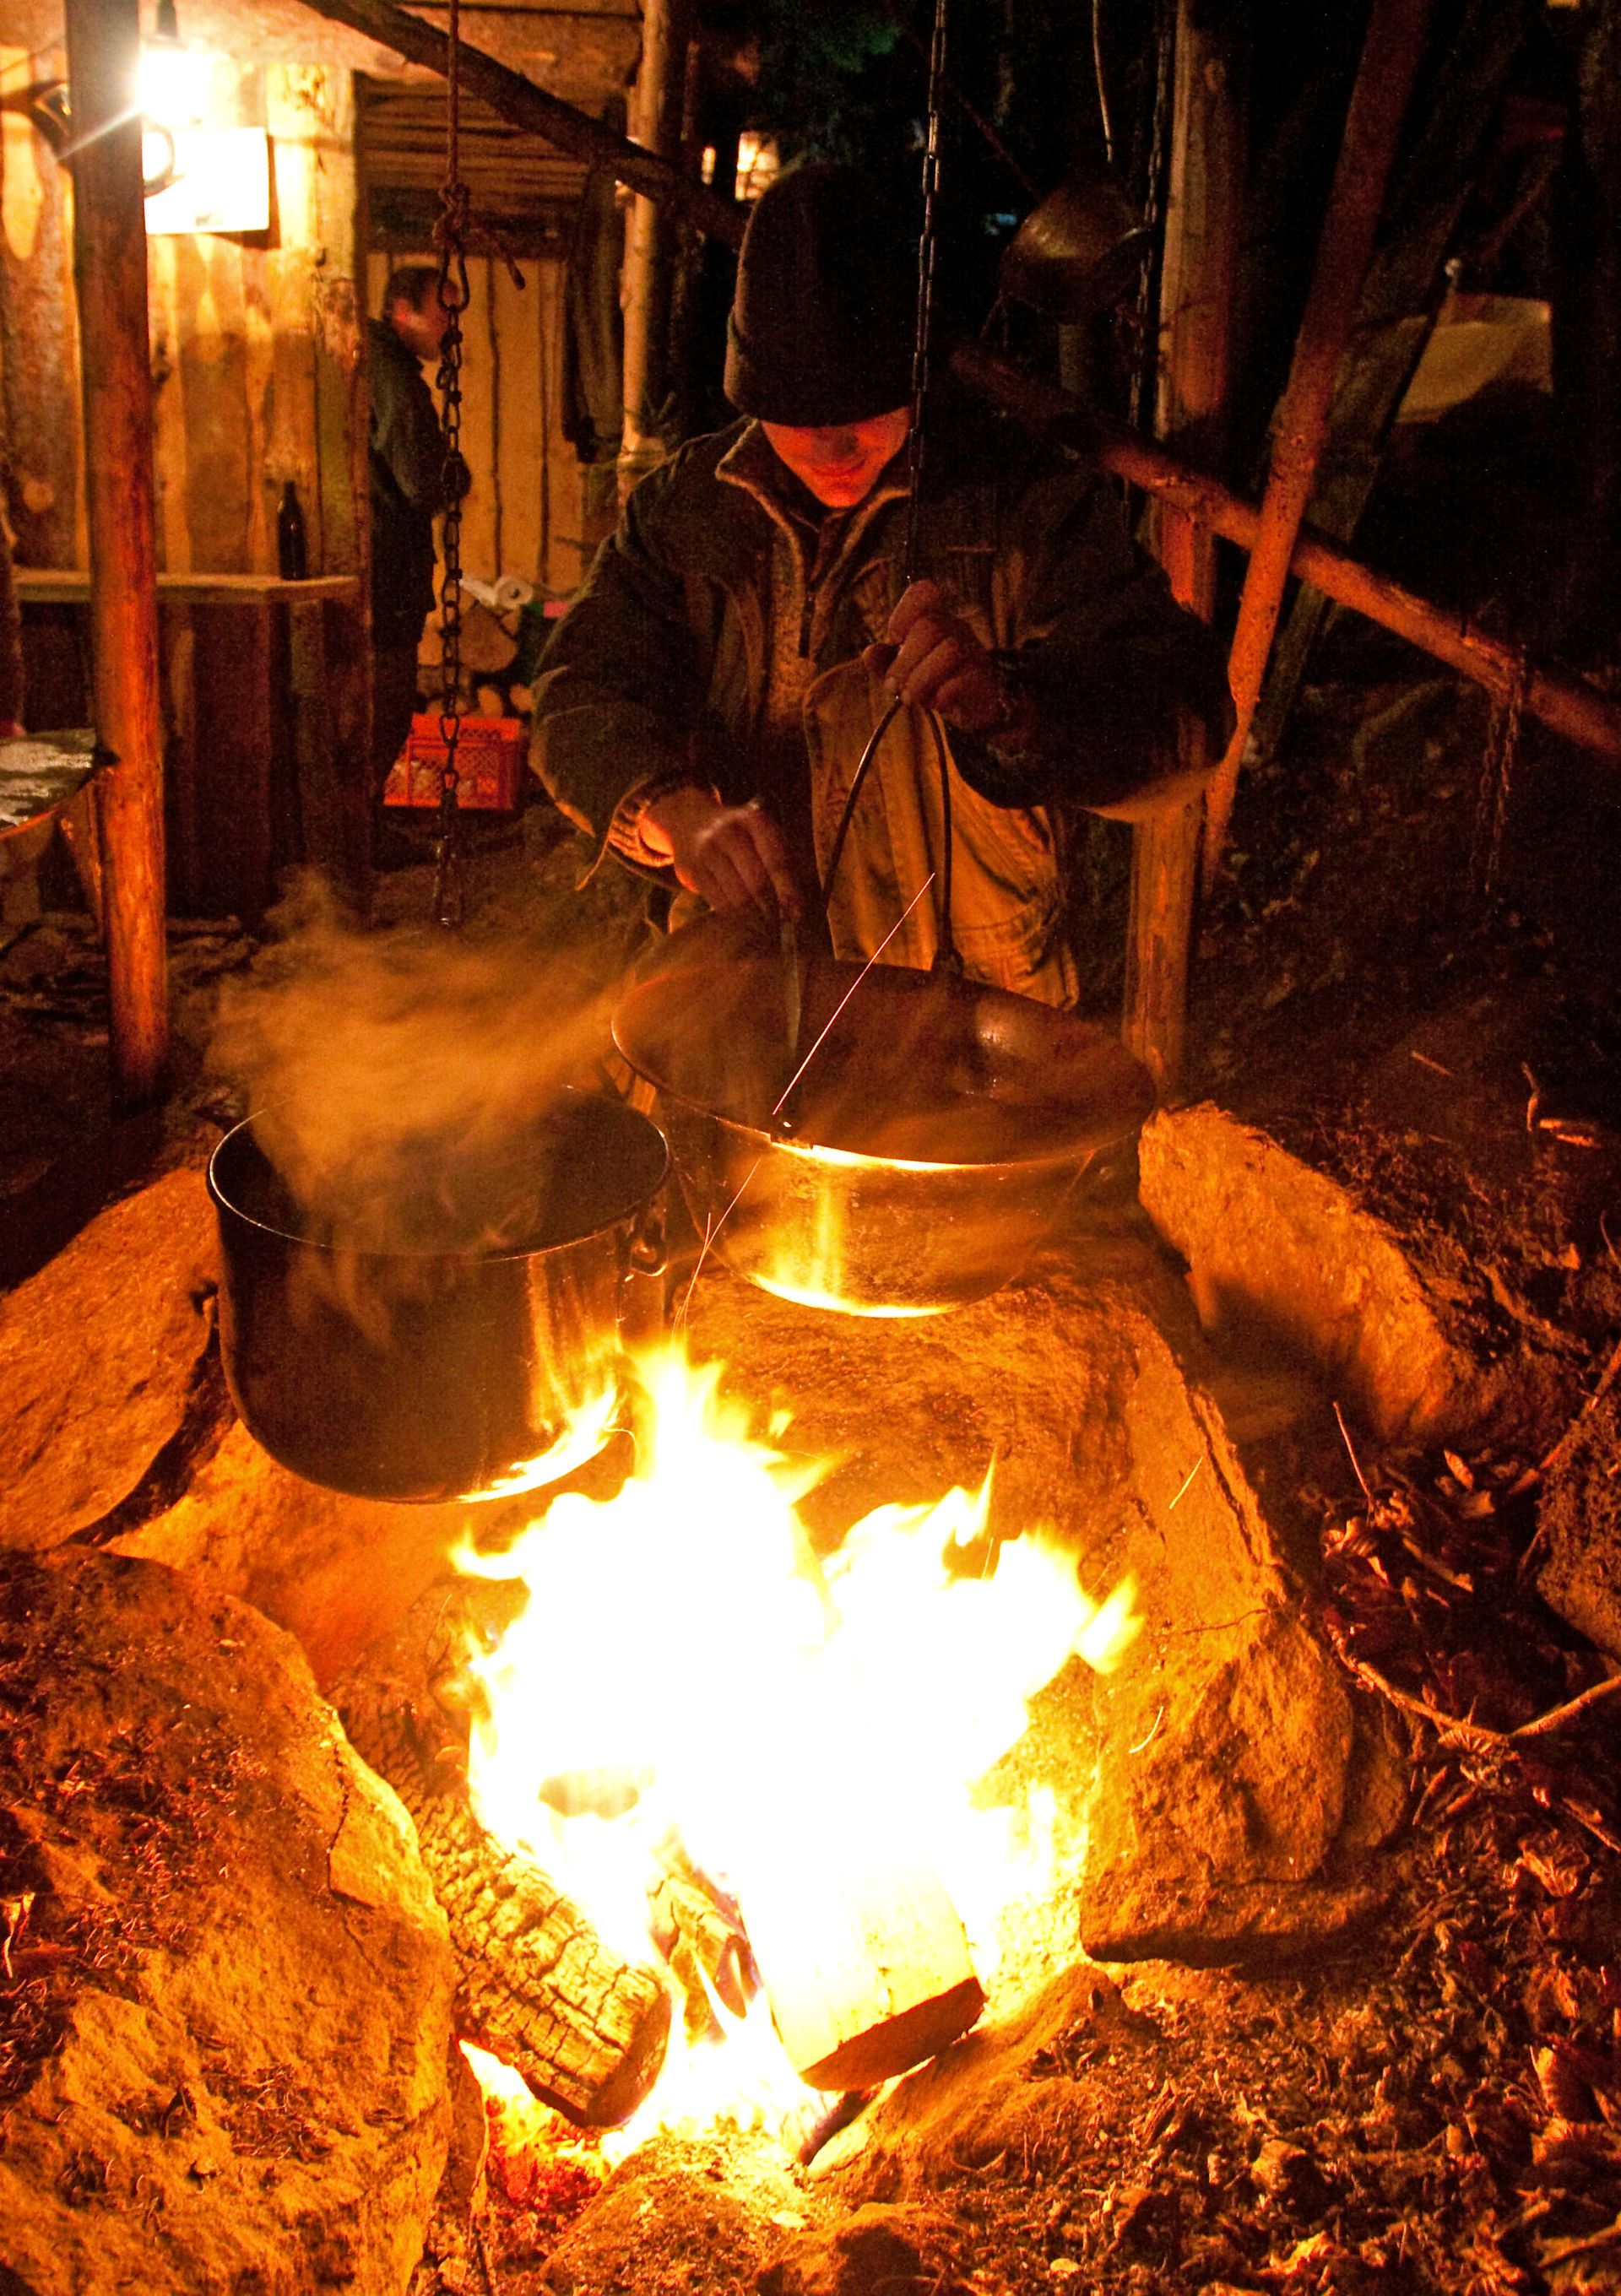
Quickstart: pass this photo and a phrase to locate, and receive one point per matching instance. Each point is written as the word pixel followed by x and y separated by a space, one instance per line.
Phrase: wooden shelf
pixel 47 586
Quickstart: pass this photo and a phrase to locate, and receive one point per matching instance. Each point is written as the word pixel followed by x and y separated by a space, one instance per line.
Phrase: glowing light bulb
pixel 172 85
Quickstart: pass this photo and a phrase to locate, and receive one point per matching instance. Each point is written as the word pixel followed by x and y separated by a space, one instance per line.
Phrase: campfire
pixel 757 1764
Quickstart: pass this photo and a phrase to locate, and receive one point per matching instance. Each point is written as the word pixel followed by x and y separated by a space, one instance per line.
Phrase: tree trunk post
pixel 1205 191
pixel 1391 55
pixel 110 277
pixel 659 102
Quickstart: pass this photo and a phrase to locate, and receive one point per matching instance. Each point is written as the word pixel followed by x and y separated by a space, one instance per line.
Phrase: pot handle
pixel 646 1254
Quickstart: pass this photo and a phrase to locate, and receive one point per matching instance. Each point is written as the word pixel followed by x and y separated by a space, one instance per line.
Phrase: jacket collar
pixel 751 462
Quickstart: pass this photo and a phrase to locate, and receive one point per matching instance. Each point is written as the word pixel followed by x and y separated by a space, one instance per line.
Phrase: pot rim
pixel 575 1094
pixel 821 1152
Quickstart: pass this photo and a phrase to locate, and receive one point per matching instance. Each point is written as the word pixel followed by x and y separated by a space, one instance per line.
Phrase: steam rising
pixel 399 1081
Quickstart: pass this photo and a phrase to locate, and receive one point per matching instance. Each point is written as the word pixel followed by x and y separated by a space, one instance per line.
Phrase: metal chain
pixel 450 238
pixel 1148 347
pixel 926 296
pixel 1496 774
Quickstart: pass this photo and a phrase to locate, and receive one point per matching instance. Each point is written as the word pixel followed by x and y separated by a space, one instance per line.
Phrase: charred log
pixel 538 1987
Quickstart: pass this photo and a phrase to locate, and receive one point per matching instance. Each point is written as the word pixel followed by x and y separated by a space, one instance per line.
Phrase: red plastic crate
pixel 489 759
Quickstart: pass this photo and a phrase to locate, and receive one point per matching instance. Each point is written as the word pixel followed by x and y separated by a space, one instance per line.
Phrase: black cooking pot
pixel 398 1373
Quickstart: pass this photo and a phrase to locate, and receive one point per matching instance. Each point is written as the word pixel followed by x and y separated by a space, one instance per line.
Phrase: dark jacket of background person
pixel 407 487
pixel 668 665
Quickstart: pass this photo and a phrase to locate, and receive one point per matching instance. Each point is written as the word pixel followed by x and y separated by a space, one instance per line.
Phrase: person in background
pixel 409 490
pixel 701 709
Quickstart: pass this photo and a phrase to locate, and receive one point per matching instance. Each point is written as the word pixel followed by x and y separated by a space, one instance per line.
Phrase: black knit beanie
pixel 822 318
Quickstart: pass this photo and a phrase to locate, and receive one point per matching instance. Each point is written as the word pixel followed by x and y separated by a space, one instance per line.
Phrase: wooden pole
pixel 1572 708
pixel 660 87
pixel 1202 217
pixel 109 275
pixel 530 106
pixel 1391 52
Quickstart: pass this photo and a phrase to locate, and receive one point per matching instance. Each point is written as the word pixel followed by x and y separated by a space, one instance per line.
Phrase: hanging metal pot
pixel 928 1149
pixel 436 1374
pixel 1081 251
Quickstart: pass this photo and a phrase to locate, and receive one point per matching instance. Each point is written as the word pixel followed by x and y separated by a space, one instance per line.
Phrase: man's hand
pixel 733 856
pixel 932 659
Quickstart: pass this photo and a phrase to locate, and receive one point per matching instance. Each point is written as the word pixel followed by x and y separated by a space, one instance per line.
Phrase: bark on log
pixel 538 1987
pixel 1204 208
pixel 109 275
pixel 530 107
pixel 1572 708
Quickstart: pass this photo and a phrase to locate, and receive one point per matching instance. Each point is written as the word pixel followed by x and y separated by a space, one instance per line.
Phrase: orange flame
pixel 687 1662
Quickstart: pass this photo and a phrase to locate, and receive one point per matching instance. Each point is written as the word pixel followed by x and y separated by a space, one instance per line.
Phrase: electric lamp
pixel 173 87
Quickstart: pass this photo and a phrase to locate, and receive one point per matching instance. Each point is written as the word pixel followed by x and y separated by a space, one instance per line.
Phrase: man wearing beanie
pixel 702 708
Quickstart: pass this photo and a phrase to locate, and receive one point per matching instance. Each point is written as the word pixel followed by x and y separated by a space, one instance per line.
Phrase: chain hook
pixel 451 234
pixel 1496 774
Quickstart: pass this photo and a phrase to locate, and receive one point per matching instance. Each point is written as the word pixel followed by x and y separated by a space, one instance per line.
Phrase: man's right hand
pixel 732 856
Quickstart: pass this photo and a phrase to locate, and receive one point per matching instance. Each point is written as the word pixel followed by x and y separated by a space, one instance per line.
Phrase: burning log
pixel 866 1969
pixel 538 1987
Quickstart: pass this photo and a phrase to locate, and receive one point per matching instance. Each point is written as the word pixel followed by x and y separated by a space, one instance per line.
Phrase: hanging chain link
pixel 450 238
pixel 1146 358
pixel 926 296
pixel 1496 774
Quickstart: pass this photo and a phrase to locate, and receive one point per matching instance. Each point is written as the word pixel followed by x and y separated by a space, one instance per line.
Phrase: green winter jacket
pixel 661 670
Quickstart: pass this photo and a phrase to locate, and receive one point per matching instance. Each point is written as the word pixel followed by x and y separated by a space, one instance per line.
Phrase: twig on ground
pixel 1563 2251
pixel 1535 1101
pixel 1595 1696
pixel 1456 1727
pixel 1351 1450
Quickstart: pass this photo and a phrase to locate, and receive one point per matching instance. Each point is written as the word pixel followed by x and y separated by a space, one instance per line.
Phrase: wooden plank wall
pixel 256 348
pixel 524 515
pixel 255 338
pixel 38 320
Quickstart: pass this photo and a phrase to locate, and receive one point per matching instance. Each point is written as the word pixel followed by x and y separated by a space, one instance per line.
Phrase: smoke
pixel 399 1081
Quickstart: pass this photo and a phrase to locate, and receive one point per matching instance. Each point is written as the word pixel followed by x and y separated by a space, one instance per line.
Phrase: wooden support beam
pixel 1568 704
pixel 1202 219
pixel 530 107
pixel 1391 52
pixel 110 277
pixel 649 242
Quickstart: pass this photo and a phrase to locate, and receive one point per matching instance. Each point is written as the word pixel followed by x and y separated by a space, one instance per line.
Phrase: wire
pixel 926 296
pixel 1103 92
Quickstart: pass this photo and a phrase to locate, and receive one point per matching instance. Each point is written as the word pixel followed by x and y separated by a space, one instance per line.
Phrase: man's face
pixel 422 332
pixel 841 463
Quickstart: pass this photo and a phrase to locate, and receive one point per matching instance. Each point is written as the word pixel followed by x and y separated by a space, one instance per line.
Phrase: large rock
pixel 100 1355
pixel 338 1572
pixel 1271 1241
pixel 1229 1776
pixel 1579 1524
pixel 223 2058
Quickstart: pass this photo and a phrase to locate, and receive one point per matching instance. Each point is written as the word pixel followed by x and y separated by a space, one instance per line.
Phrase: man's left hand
pixel 932 659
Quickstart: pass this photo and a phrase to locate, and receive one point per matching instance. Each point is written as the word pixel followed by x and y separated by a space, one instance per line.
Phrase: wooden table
pixel 266 704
